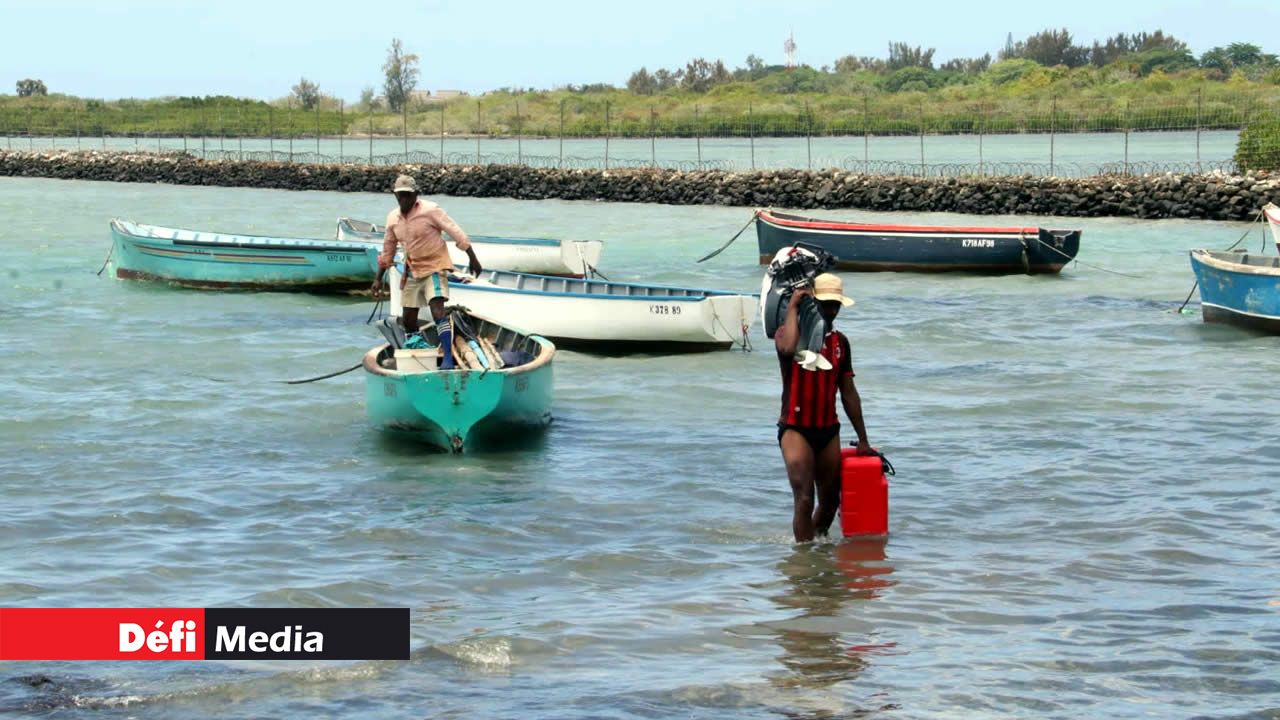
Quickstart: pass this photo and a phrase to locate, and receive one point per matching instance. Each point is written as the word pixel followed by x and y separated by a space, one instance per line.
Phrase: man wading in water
pixel 808 430
pixel 418 225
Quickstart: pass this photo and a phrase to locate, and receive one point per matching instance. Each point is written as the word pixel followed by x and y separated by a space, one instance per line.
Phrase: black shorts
pixel 818 438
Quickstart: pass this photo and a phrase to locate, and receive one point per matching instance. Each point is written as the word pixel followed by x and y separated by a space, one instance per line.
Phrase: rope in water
pixel 1081 262
pixel 104 262
pixel 1196 284
pixel 735 237
pixel 323 377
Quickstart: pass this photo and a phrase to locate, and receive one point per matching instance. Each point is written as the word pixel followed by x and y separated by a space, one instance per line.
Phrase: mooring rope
pixel 735 237
pixel 1196 284
pixel 104 262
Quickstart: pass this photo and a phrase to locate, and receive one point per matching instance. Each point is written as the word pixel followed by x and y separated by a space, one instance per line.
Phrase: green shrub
pixel 1259 147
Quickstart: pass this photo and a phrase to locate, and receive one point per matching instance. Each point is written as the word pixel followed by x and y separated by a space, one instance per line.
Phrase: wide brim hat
pixel 830 288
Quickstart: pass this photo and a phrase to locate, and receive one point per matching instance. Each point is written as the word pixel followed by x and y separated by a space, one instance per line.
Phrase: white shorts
pixel 421 291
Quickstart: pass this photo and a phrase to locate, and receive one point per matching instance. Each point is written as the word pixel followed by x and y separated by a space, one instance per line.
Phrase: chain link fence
pixel 898 135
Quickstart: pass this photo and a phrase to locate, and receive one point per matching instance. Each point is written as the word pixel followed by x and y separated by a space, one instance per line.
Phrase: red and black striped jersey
pixel 809 396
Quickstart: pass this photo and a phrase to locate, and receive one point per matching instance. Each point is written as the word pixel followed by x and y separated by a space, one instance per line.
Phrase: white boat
pixel 1272 213
pixel 603 315
pixel 543 256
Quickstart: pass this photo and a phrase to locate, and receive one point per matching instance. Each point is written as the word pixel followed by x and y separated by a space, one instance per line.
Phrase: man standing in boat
pixel 419 225
pixel 808 429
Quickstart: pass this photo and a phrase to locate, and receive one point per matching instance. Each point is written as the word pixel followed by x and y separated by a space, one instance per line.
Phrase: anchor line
pixel 1196 284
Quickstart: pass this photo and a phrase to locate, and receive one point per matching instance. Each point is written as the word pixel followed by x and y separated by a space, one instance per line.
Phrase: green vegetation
pixel 66 116
pixel 400 74
pixel 1046 82
pixel 1259 147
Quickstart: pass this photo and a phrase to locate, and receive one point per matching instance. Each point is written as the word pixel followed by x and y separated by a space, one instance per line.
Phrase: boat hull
pixel 208 260
pixel 608 323
pixel 921 248
pixel 539 256
pixel 1238 290
pixel 459 410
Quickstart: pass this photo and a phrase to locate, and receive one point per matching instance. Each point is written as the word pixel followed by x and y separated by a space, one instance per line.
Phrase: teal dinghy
pixel 501 390
pixel 201 259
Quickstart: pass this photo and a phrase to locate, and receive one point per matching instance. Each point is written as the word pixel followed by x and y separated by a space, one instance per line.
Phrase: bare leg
pixel 409 316
pixel 437 308
pixel 800 466
pixel 827 474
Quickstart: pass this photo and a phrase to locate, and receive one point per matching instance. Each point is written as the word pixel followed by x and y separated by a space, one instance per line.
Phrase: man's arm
pixel 853 410
pixel 788 336
pixel 384 258
pixel 460 240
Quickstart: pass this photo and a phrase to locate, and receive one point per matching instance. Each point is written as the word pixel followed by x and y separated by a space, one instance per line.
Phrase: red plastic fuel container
pixel 864 494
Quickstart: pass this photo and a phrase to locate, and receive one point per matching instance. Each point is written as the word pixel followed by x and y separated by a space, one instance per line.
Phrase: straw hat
pixel 828 287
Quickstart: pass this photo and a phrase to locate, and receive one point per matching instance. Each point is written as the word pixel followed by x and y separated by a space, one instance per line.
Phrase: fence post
pixel 1053 128
pixel 653 137
pixel 76 111
pixel 204 123
pixel 404 126
pixel 186 129
pixel 519 146
pixel 240 133
pixel 442 106
pixel 923 171
pixel 370 136
pixel 30 142
pixel 1126 137
pixel 271 133
pixel 697 130
pixel 606 134
pixel 478 123
pixel 102 126
pixel 808 133
pixel 560 163
pixel 982 115
pixel 317 131
pixel 866 132
pixel 751 133
pixel 222 133
pixel 342 128
pixel 158 148
pixel 1199 100
pixel 290 112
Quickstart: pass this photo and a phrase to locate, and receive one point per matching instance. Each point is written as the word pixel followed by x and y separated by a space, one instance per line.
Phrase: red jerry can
pixel 864 494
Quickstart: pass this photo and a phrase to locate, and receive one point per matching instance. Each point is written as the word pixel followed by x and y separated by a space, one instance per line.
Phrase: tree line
pixel 908 68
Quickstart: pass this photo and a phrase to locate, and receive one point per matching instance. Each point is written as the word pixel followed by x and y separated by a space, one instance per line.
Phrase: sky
pixel 143 48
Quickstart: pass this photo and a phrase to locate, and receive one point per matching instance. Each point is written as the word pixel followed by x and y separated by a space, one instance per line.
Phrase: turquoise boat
pixel 193 258
pixel 501 391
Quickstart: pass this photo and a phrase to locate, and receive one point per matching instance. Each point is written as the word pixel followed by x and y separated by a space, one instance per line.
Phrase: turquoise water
pixel 1083 521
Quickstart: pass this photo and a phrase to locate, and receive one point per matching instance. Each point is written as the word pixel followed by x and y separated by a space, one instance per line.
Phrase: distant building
pixel 449 94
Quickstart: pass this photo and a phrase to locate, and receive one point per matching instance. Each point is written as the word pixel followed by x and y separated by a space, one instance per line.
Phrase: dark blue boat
pixel 921 248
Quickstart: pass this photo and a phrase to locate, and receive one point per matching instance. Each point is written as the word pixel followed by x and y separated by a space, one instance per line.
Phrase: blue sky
pixel 144 48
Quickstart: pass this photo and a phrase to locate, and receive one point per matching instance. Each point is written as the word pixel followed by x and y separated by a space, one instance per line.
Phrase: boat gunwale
pixel 371 366
pixel 121 227
pixel 486 239
pixel 785 221
pixel 1213 259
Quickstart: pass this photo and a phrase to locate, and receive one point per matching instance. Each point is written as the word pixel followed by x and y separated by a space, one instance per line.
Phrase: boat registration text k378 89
pixel 664 309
